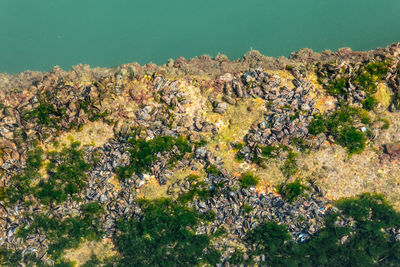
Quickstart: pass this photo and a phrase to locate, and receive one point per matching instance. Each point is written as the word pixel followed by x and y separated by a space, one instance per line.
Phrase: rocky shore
pixel 242 142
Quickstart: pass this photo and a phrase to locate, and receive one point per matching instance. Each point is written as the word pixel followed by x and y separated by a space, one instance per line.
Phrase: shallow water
pixel 38 34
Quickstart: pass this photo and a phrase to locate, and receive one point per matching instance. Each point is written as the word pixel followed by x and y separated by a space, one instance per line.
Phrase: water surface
pixel 38 34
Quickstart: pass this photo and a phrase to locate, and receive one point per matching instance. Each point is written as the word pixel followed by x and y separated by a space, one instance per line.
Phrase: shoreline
pixel 206 65
pixel 236 149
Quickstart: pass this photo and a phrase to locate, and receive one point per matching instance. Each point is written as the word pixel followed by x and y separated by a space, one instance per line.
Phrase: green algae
pixel 143 153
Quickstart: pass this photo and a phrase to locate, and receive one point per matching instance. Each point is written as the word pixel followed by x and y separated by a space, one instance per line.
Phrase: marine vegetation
pixel 357 235
pixel 166 236
pixel 144 153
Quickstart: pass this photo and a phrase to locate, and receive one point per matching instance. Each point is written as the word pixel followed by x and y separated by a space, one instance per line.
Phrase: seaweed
pixel 66 175
pixel 365 242
pixel 351 138
pixel 199 189
pixel 266 152
pixel 273 242
pixel 237 257
pixel 212 169
pixel 21 184
pixel 386 123
pixel 248 179
pixel 337 86
pixel 369 103
pixel 69 232
pixel 13 258
pixel 172 241
pixel 291 191
pixel 340 124
pixel 46 115
pixel 317 125
pixel 246 208
pixel 290 167
pixel 144 153
pixel 365 79
pixel 237 145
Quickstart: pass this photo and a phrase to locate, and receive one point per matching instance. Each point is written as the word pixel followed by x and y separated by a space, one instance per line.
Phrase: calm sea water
pixel 38 34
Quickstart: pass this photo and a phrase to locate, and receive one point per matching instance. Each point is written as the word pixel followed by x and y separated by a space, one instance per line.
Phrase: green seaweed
pixel 46 115
pixel 317 125
pixel 337 86
pixel 290 167
pixel 172 241
pixel 291 191
pixel 212 169
pixel 351 138
pixel 68 232
pixel 246 208
pixel 249 179
pixel 364 242
pixel 339 124
pixel 144 153
pixel 237 257
pixel 21 184
pixel 66 175
pixel 369 103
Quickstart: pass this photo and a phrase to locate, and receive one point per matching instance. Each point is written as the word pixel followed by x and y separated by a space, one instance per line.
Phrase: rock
pixel 393 150
pixel 170 63
pixel 198 125
pixel 194 137
pixel 227 77
pixel 229 100
pixel 237 87
pixel 220 107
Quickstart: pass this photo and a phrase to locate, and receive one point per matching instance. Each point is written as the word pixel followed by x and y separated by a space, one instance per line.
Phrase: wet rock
pixel 194 137
pixel 229 100
pixel 237 87
pixel 220 107
pixel 393 149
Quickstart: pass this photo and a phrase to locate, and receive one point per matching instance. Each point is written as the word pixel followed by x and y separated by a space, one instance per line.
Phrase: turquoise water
pixel 38 34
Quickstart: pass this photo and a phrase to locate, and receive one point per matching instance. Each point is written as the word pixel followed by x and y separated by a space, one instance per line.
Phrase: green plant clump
pixel 272 241
pixel 237 145
pixel 248 179
pixel 46 115
pixel 353 139
pixel 21 184
pixel 66 173
pixel 69 232
pixel 266 152
pixel 67 176
pixel 291 191
pixel 369 103
pixel 212 169
pixel 365 79
pixel 365 242
pixel 144 153
pixel 386 123
pixel 237 257
pixel 317 125
pixel 336 87
pixel 13 258
pixel 246 208
pixel 197 189
pixel 290 167
pixel 166 236
pixel 371 73
pixel 339 124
